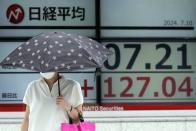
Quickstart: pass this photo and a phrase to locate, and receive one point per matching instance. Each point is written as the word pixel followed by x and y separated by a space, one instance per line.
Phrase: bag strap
pixel 70 119
pixel 81 118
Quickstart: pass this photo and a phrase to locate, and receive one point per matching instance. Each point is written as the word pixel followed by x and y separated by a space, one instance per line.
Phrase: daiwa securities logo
pixel 15 13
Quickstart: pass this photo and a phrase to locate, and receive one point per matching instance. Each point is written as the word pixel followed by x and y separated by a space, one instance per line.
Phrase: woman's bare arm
pixel 74 113
pixel 25 122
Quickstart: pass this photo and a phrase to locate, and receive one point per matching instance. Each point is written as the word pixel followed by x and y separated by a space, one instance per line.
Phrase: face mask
pixel 47 75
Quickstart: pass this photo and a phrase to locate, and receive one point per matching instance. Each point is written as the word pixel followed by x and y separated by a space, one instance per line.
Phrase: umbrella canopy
pixel 57 51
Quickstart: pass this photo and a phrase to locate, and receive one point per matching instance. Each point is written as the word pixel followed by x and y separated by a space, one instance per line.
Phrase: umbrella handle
pixel 59 91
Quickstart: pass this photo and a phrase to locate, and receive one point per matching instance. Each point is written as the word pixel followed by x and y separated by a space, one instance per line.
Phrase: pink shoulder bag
pixel 82 126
